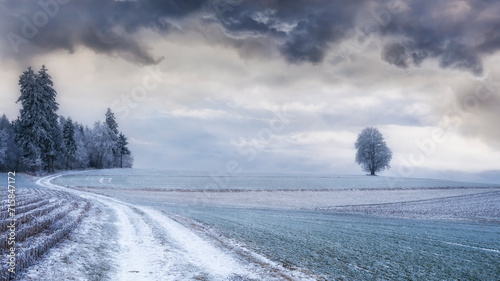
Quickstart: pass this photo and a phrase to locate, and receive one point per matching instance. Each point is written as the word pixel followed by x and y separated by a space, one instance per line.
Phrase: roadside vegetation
pixel 40 219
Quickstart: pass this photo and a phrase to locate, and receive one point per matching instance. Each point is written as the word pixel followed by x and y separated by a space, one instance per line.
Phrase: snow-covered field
pixel 149 179
pixel 33 220
pixel 154 225
pixel 121 241
pixel 482 206
pixel 371 195
pixel 301 199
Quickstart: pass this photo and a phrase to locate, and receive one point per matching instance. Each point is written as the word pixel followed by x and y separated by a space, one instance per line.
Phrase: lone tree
pixel 372 152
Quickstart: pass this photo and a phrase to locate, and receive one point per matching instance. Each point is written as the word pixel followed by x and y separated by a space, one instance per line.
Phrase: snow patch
pixel 198 251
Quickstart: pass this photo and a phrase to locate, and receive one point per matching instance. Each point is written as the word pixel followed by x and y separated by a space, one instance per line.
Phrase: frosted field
pixel 265 191
pixel 23 181
pixel 175 180
pixel 330 227
pixel 359 247
pixel 35 218
pixel 122 241
pixel 271 227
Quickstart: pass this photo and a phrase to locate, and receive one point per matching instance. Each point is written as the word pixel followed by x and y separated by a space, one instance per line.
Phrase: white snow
pixel 153 246
pixel 143 243
pixel 166 180
pixel 198 251
pixel 141 258
pixel 308 199
pixel 473 247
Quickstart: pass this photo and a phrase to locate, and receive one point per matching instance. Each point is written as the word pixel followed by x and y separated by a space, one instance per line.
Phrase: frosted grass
pixel 328 242
pixel 187 180
pixel 360 247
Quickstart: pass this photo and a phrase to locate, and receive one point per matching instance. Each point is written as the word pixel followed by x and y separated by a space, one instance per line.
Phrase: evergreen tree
pixel 122 147
pixel 31 133
pixel 54 144
pixel 62 122
pixel 112 126
pixel 40 136
pixel 81 159
pixel 37 129
pixel 69 142
pixel 111 123
pixel 9 151
pixel 4 137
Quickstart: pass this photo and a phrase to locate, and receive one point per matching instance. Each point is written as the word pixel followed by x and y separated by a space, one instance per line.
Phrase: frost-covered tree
pixel 39 138
pixel 128 161
pixel 9 151
pixel 31 133
pixel 4 137
pixel 113 133
pixel 100 146
pixel 81 157
pixel 111 122
pixel 54 145
pixel 62 122
pixel 122 148
pixel 372 152
pixel 69 142
pixel 37 129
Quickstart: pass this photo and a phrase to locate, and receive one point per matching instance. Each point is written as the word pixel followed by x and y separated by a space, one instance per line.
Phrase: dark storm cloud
pixel 105 26
pixel 304 29
pixel 395 53
pixel 458 34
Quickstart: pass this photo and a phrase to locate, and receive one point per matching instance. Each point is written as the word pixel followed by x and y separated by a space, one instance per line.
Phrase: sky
pixel 269 85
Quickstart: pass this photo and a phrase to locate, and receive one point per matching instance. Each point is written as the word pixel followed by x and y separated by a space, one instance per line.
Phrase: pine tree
pixel 112 126
pixel 39 135
pixel 69 142
pixel 30 129
pixel 122 147
pixel 81 155
pixel 9 151
pixel 51 106
pixel 111 122
pixel 37 130
pixel 4 139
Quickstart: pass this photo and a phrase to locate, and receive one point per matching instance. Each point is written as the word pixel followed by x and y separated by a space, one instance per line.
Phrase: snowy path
pixel 153 246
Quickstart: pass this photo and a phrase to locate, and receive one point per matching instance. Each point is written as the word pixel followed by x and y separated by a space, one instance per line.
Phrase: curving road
pixel 151 245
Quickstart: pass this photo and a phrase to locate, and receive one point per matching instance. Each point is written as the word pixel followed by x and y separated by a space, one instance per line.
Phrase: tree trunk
pixel 121 160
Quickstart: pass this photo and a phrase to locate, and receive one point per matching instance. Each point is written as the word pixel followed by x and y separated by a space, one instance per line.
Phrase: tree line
pixel 39 139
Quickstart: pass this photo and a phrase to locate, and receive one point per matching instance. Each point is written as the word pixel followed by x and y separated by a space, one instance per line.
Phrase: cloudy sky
pixel 269 85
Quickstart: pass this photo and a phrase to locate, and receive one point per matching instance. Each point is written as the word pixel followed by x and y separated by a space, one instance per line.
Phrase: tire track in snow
pixel 140 257
pixel 199 252
pixel 144 255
